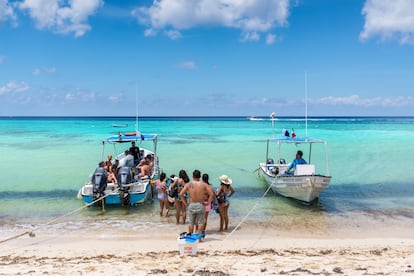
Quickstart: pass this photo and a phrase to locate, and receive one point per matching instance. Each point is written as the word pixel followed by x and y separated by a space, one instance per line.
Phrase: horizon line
pixel 204 116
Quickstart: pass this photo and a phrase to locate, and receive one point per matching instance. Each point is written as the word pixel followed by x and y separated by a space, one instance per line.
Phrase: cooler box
pixel 187 247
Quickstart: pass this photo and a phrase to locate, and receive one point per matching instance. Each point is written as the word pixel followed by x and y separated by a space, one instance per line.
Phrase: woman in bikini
pixel 161 186
pixel 181 203
pixel 227 189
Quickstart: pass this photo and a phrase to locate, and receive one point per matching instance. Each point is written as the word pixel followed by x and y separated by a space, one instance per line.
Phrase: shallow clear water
pixel 46 160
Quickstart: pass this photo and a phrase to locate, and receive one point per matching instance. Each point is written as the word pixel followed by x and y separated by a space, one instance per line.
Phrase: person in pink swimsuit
pixel 161 186
pixel 207 205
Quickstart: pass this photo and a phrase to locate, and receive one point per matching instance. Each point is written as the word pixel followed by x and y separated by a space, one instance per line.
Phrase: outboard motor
pixel 270 167
pixel 282 161
pixel 99 181
pixel 124 177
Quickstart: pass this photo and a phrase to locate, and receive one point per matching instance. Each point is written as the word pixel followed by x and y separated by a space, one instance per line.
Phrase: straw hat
pixel 225 179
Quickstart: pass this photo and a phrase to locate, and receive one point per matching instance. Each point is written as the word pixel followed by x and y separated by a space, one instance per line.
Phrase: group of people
pixel 195 197
pixel 140 167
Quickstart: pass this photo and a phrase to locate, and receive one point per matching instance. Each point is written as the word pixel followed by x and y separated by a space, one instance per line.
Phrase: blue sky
pixel 206 57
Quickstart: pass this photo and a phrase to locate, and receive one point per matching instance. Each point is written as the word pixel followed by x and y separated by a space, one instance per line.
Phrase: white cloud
pixel 116 98
pixel 150 32
pixel 13 87
pixel 173 34
pixel 389 20
pixel 78 97
pixel 397 101
pixel 250 16
pixel 62 17
pixel 271 102
pixel 38 71
pixel 7 12
pixel 270 39
pixel 353 100
pixel 250 36
pixel 187 65
pixel 50 70
pixel 69 97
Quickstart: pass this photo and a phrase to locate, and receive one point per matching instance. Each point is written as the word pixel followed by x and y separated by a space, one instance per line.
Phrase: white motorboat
pixel 308 180
pixel 254 118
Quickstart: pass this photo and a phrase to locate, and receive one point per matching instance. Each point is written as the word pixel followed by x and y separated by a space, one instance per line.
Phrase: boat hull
pixel 137 193
pixel 305 188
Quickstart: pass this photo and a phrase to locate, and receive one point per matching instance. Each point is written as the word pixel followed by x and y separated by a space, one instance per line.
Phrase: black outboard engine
pixel 270 166
pixel 282 161
pixel 99 182
pixel 124 177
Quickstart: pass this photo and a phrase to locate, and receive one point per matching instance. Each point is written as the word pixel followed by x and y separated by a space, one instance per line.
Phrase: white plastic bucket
pixel 187 248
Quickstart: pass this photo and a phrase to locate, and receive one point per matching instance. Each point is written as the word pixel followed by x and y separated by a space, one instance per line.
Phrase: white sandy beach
pixel 247 251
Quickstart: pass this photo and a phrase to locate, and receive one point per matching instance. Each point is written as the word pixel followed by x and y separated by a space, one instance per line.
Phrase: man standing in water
pixel 196 210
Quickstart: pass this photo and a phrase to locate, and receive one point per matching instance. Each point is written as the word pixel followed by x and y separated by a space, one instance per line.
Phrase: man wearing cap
pixel 196 210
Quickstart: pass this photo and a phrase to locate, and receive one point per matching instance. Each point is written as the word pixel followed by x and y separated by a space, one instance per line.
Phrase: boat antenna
pixel 136 108
pixel 272 116
pixel 306 104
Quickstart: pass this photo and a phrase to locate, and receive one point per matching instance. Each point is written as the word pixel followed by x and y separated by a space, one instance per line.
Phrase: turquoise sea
pixel 44 162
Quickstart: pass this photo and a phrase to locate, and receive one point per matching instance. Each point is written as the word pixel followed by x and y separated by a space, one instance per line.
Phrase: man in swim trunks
pixel 196 210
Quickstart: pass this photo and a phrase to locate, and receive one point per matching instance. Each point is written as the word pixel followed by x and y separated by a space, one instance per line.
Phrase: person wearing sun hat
pixel 224 192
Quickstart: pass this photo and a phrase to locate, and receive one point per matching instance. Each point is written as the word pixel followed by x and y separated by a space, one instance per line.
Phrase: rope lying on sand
pixel 231 233
pixel 30 232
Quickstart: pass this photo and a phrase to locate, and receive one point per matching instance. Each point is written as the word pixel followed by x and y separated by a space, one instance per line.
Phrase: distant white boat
pixel 253 118
pixel 119 125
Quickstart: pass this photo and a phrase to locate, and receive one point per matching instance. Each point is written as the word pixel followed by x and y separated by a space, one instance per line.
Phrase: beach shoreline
pixel 239 252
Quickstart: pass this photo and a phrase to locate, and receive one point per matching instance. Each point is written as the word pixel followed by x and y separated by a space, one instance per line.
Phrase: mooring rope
pixel 234 230
pixel 30 232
